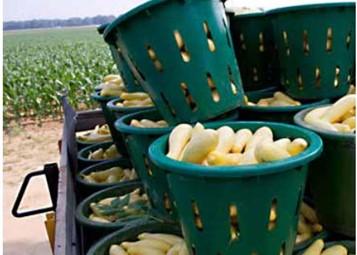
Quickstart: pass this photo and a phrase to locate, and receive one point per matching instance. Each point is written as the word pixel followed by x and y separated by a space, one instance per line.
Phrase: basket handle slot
pixel 286 42
pixel 214 93
pixel 232 82
pixel 261 42
pixel 210 41
pixel 147 165
pixel 185 54
pixel 227 33
pixel 306 45
pixel 153 57
pixel 349 76
pixel 197 216
pixel 329 40
pixel 234 228
pixel 273 215
pixel 167 202
pixel 348 40
pixel 317 77
pixel 188 96
pixel 168 105
pixel 242 41
pixel 255 74
pixel 300 81
pixel 336 81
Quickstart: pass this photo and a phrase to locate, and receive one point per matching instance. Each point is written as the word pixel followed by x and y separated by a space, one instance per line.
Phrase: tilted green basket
pixel 130 233
pixel 283 114
pixel 209 194
pixel 190 78
pixel 110 118
pixel 131 84
pixel 334 197
pixel 255 49
pixel 316 49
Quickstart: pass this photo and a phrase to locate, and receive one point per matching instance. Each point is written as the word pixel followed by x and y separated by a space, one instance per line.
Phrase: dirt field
pixel 27 149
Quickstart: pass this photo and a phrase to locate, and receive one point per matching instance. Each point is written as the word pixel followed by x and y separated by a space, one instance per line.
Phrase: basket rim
pixel 96 96
pixel 278 109
pixel 109 29
pixel 129 227
pixel 122 125
pixel 250 15
pixel 102 27
pixel 305 7
pixel 93 168
pixel 299 120
pixel 95 146
pixel 114 108
pixel 348 244
pixel 86 202
pixel 157 155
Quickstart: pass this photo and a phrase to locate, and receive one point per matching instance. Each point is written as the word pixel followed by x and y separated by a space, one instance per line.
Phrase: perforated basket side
pixel 190 78
pixel 254 45
pixel 316 49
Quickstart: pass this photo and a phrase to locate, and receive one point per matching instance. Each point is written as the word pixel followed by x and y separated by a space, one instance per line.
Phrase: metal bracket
pixel 51 172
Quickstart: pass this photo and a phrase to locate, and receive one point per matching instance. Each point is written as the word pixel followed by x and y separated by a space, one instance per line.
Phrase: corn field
pixel 39 65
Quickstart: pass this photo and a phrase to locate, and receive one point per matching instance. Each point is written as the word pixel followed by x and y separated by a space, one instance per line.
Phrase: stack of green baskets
pixel 273 113
pixel 138 140
pixel 190 78
pixel 131 84
pixel 316 49
pixel 255 49
pixel 332 177
pixel 209 194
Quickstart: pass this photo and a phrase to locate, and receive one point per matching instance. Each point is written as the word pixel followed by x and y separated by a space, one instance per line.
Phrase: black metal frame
pixel 51 173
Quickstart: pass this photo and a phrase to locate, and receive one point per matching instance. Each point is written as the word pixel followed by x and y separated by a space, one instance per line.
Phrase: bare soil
pixel 26 149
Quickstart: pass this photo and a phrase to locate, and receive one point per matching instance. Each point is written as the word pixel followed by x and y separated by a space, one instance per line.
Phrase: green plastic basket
pixel 178 70
pixel 349 245
pixel 138 141
pixel 316 49
pixel 273 113
pixel 82 144
pixel 130 233
pixel 82 156
pixel 85 188
pixel 254 45
pixel 90 231
pixel 119 111
pixel 207 194
pixel 110 119
pixel 130 82
pixel 331 180
pixel 154 179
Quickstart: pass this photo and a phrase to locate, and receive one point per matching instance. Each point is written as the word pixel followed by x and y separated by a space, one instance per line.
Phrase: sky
pixel 62 9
